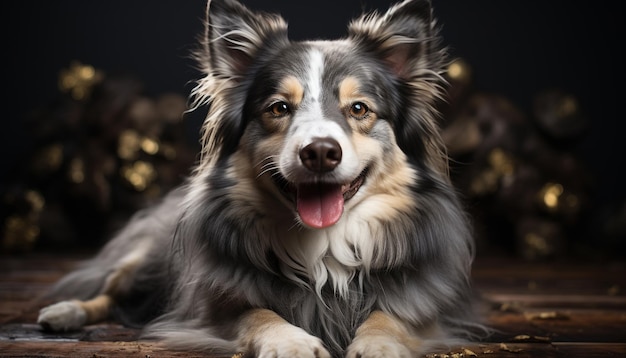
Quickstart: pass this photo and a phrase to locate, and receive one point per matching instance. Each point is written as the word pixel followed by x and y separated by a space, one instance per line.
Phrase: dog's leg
pixel 382 335
pixel 74 314
pixel 262 333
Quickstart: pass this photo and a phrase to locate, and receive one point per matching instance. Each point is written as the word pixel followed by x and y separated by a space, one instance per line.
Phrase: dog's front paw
pixel 289 341
pixel 62 316
pixel 377 347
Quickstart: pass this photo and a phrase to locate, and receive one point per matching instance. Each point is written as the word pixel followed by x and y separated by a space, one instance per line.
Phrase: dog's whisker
pixel 296 225
pixel 266 160
pixel 272 169
pixel 268 164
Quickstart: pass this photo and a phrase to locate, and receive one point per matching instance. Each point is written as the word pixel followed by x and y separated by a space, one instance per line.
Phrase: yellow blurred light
pixel 35 199
pixel 77 171
pixel 79 79
pixel 551 194
pixel 568 106
pixel 150 146
pixel 455 70
pixel 87 72
pixel 140 175
pixel 459 71
pixel 128 144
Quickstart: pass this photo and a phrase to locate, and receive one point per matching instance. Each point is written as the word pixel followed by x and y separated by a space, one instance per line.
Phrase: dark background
pixel 514 48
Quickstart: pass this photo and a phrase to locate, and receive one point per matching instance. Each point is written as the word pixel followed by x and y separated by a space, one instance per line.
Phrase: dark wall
pixel 515 48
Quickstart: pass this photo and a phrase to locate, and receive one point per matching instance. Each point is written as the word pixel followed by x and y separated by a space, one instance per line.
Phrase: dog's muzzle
pixel 320 204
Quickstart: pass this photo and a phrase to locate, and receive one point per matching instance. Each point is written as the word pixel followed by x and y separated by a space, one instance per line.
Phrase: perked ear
pixel 234 35
pixel 405 37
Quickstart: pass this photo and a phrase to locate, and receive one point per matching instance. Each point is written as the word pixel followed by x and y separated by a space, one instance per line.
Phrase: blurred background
pixel 94 127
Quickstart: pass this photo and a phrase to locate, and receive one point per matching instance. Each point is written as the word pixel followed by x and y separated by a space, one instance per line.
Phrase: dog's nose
pixel 322 155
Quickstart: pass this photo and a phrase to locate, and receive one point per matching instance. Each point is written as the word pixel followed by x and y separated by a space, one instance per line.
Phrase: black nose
pixel 322 155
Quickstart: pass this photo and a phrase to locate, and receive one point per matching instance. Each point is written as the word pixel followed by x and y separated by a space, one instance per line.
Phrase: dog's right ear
pixel 234 35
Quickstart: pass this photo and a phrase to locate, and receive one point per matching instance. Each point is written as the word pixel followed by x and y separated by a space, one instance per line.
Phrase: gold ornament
pixel 21 231
pixel 79 80
pixel 128 145
pixel 501 167
pixel 149 146
pixel 459 71
pixel 48 159
pixel 140 174
pixel 76 172
pixel 554 198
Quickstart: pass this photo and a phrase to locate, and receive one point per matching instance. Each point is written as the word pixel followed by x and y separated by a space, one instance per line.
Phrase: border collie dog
pixel 320 220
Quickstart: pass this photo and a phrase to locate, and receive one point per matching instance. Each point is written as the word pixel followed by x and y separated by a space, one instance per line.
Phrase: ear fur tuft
pixel 234 35
pixel 405 37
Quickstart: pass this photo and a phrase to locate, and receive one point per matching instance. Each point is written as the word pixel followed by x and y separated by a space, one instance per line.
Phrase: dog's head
pixel 325 125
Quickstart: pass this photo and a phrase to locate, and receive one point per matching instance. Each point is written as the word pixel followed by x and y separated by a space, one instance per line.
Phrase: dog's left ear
pixel 405 37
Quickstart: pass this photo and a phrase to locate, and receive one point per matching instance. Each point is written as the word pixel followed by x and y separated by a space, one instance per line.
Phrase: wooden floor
pixel 539 310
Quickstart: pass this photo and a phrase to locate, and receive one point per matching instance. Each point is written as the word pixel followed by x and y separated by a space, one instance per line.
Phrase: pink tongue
pixel 319 205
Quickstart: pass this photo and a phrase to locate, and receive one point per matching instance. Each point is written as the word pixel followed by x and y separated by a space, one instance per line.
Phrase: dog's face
pixel 314 129
pixel 326 125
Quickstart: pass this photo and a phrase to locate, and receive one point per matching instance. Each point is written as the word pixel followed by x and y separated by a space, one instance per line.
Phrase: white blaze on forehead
pixel 311 122
pixel 314 80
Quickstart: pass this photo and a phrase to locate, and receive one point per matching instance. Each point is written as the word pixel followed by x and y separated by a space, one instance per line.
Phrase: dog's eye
pixel 279 109
pixel 359 110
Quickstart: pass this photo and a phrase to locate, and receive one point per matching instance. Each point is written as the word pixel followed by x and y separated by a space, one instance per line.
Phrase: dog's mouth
pixel 319 205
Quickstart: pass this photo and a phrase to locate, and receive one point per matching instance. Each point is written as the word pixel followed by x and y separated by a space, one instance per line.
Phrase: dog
pixel 319 221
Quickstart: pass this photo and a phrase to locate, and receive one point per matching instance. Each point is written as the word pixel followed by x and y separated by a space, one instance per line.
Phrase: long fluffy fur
pixel 226 242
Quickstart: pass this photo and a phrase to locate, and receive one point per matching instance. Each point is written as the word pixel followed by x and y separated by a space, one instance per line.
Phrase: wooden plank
pixel 554 300
pixel 560 326
pixel 543 350
pixel 539 310
pixel 601 279
pixel 588 350
pixel 141 349
pixel 45 349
